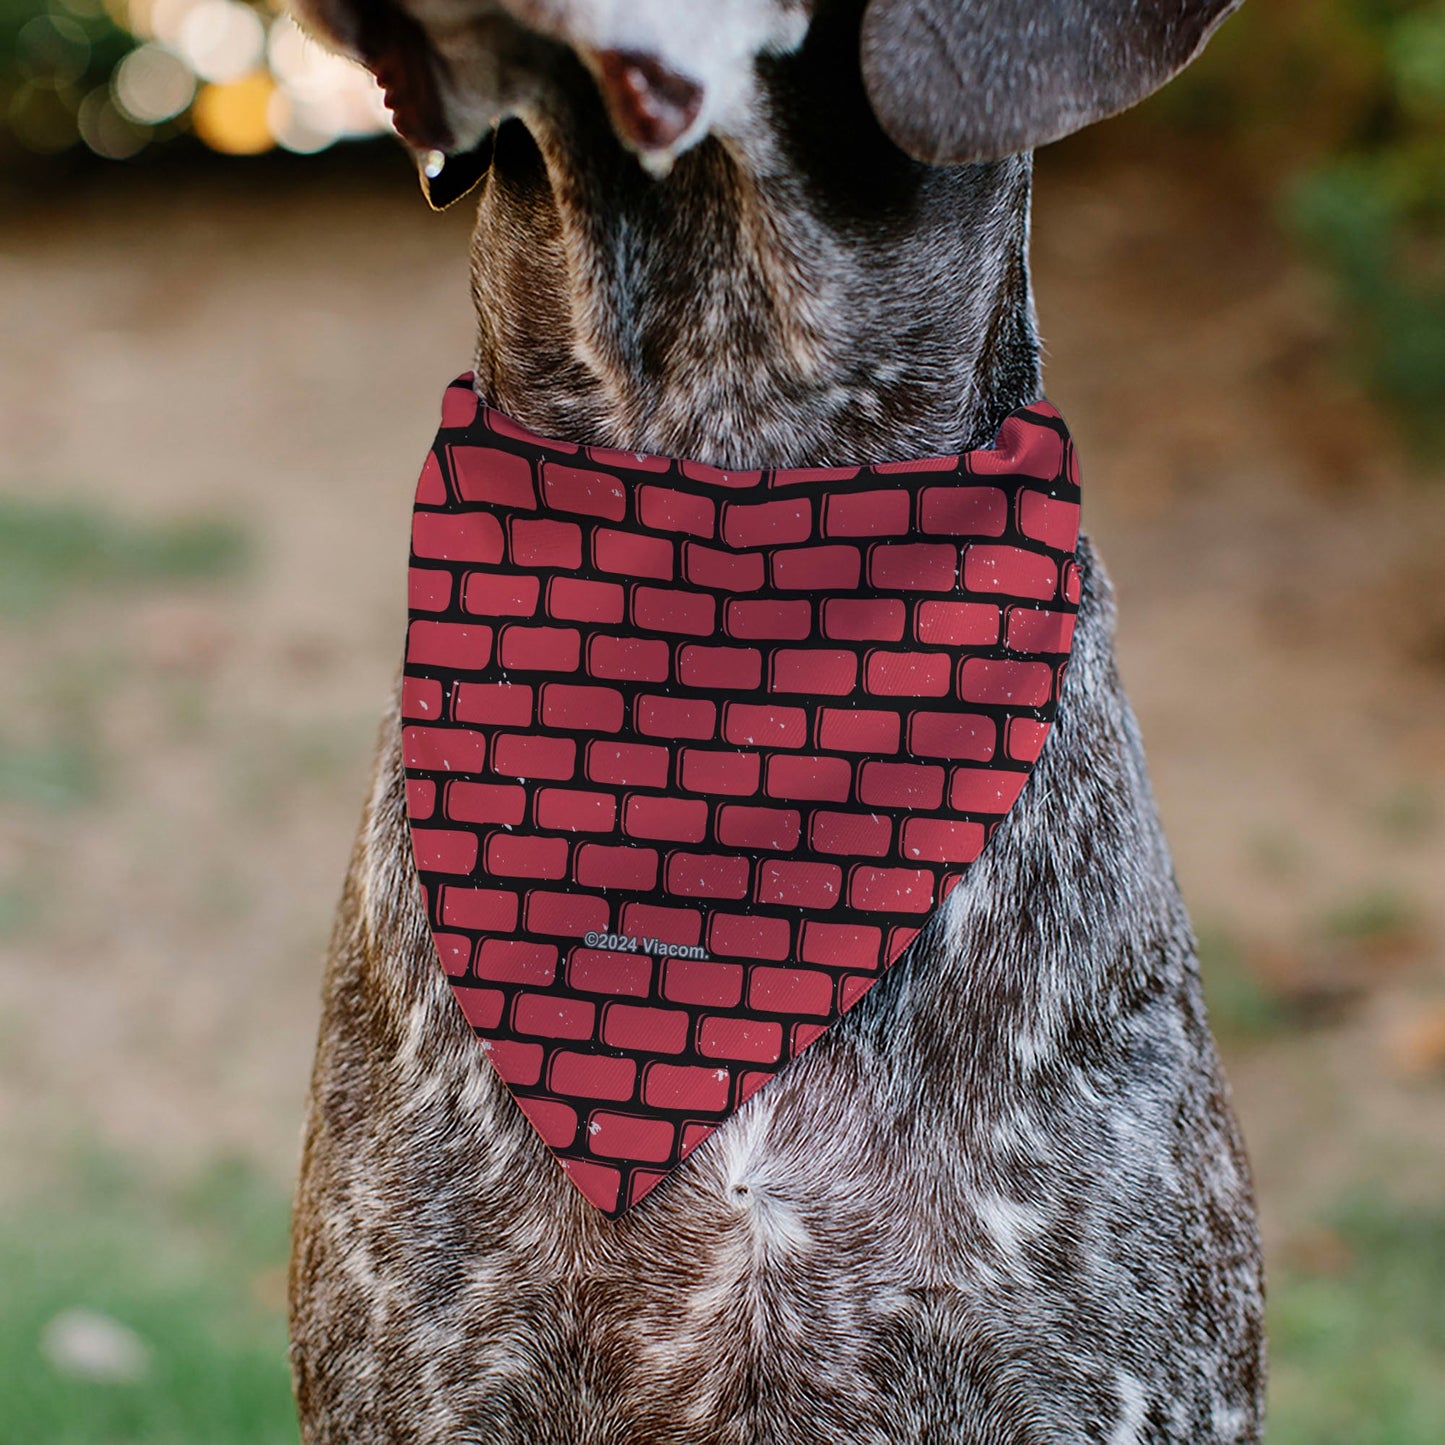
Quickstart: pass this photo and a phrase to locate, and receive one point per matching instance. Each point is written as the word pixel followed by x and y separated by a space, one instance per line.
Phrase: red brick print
pixel 520 857
pixel 799 885
pixel 841 945
pixel 824 780
pixel 628 765
pixel 1049 520
pixel 654 1030
pixel 767 524
pixel 671 925
pixel 600 866
pixel 596 970
pixel 626 1136
pixel 555 1121
pixel 964 511
pixel 942 840
pixel 740 827
pixel 985 790
pixel 727 571
pixel 808 569
pixel 858 835
pixel 765 620
pixel 1023 447
pixel 555 1018
pixel 790 990
pixel 565 810
pixel 864 619
pixel 428 590
pixel 516 755
pixel 852 989
pixel 662 609
pixel 693 1135
pixel 686 1086
pixel 506 703
pixel 474 537
pixel 483 474
pixel 734 774
pixel 701 472
pixel 431 487
pixel 805 1034
pixel 960 735
pixel 598 1183
pixel 913 566
pixel 1012 571
pixel 909 674
pixel 675 717
pixel 421 798
pixel 592 1076
pixel 629 659
pixel 858 730
pixel 516 960
pixel 486 909
pixel 482 1006
pixel 1072 585
pixel 449 644
pixel 596 709
pixel 628 461
pixel 454 950
pixel 900 785
pixel 421 697
pixel 678 820
pixel 957 624
pixel 702 982
pixel 565 915
pixel 796 476
pixel 574 489
pixel 1030 630
pixel 459 407
pixel 729 668
pixel 517 1062
pixel 866 514
pixel 764 725
pixel 469 802
pixel 1003 683
pixel 705 875
pixel 494 594
pixel 749 935
pixel 632 554
pixel 446 750
pixel 890 890
pixel 1025 739
pixel 572 599
pixel 900 938
pixel 667 511
pixel 927 464
pixel 749 1082
pixel 820 671
pixel 540 649
pixel 756 1041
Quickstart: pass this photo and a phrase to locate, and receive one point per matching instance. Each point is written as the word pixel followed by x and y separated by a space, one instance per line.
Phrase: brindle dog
pixel 1004 1199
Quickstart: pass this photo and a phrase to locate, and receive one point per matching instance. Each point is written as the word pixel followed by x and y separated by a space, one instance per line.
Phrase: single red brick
pixel 599 970
pixel 675 717
pixel 444 750
pixel 428 590
pixel 631 659
pixel 864 619
pixel 1071 584
pixel 517 960
pixel 653 1030
pixel 764 725
pixel 686 1086
pixel 693 1135
pixel 1025 739
pixel 742 827
pixel 567 915
pixel 666 609
pixel 900 938
pixel 803 1035
pixel 459 406
pixel 625 1136
pixel 519 755
pixel 421 697
pixel 575 489
pixel 577 600
pixel 1048 520
pixel 866 514
pixel 540 649
pixel 555 1121
pixel 542 542
pixel 667 511
pixel 552 1017
pixel 507 703
pixel 431 487
pixel 891 890
pixel 628 461
pixel 701 472
pixel 568 705
pixel 964 511
pixel 669 925
pixel 487 909
pixel 952 735
pixel 797 476
pixel 799 885
pixel 985 790
pixel 767 524
pixel 942 840
pixel 900 785
pixel 759 1041
pixel 735 774
pixel 516 1062
pixel 765 619
pixel 909 674
pixel 592 1076
pixel 841 945
pixel 1004 683
pixel 749 1082
pixel 913 566
pixel 496 594
pixel 914 468
pixel 633 554
pixel 720 667
pixel 421 799
pixel 701 981
pixel 818 671
pixel 1028 629
pixel 482 1007
pixel 568 810
pixel 1011 571
pixel 681 820
pixel 513 856
pixel 853 987
pixel 599 1184
pixel 474 537
pixel 454 951
pixel 957 624
pixel 790 990
pixel 600 866
pixel 484 474
pixel 706 875
pixel 826 780
pixel 468 802
pixel 749 935
pixel 858 730
pixel 628 765
pixel 861 835
pixel 727 571
pixel 810 569
pixel 449 644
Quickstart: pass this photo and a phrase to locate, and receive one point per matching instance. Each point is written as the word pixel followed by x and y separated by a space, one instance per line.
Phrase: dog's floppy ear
pixel 975 80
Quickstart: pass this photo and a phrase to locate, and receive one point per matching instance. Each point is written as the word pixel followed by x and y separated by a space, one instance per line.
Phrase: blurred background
pixel 226 317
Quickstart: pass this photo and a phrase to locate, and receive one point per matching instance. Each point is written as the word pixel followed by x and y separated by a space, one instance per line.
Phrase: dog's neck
pixel 804 297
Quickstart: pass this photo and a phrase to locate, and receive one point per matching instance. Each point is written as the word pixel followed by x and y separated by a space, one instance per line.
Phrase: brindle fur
pixel 1004 1200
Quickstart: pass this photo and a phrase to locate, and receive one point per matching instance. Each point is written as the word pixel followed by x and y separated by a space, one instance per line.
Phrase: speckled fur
pixel 1004 1200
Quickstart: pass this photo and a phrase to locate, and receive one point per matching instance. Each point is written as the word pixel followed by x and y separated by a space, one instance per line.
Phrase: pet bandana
pixel 692 754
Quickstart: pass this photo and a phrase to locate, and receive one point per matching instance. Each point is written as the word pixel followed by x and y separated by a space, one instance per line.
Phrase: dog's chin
pixel 448 176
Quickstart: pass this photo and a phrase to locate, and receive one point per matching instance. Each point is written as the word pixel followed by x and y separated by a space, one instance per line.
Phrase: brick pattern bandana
pixel 691 755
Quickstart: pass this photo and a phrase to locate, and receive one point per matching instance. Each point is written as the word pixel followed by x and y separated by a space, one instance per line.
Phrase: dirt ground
pixel 272 354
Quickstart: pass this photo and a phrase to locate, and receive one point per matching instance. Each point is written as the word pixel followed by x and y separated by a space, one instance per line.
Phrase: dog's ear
pixel 974 80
